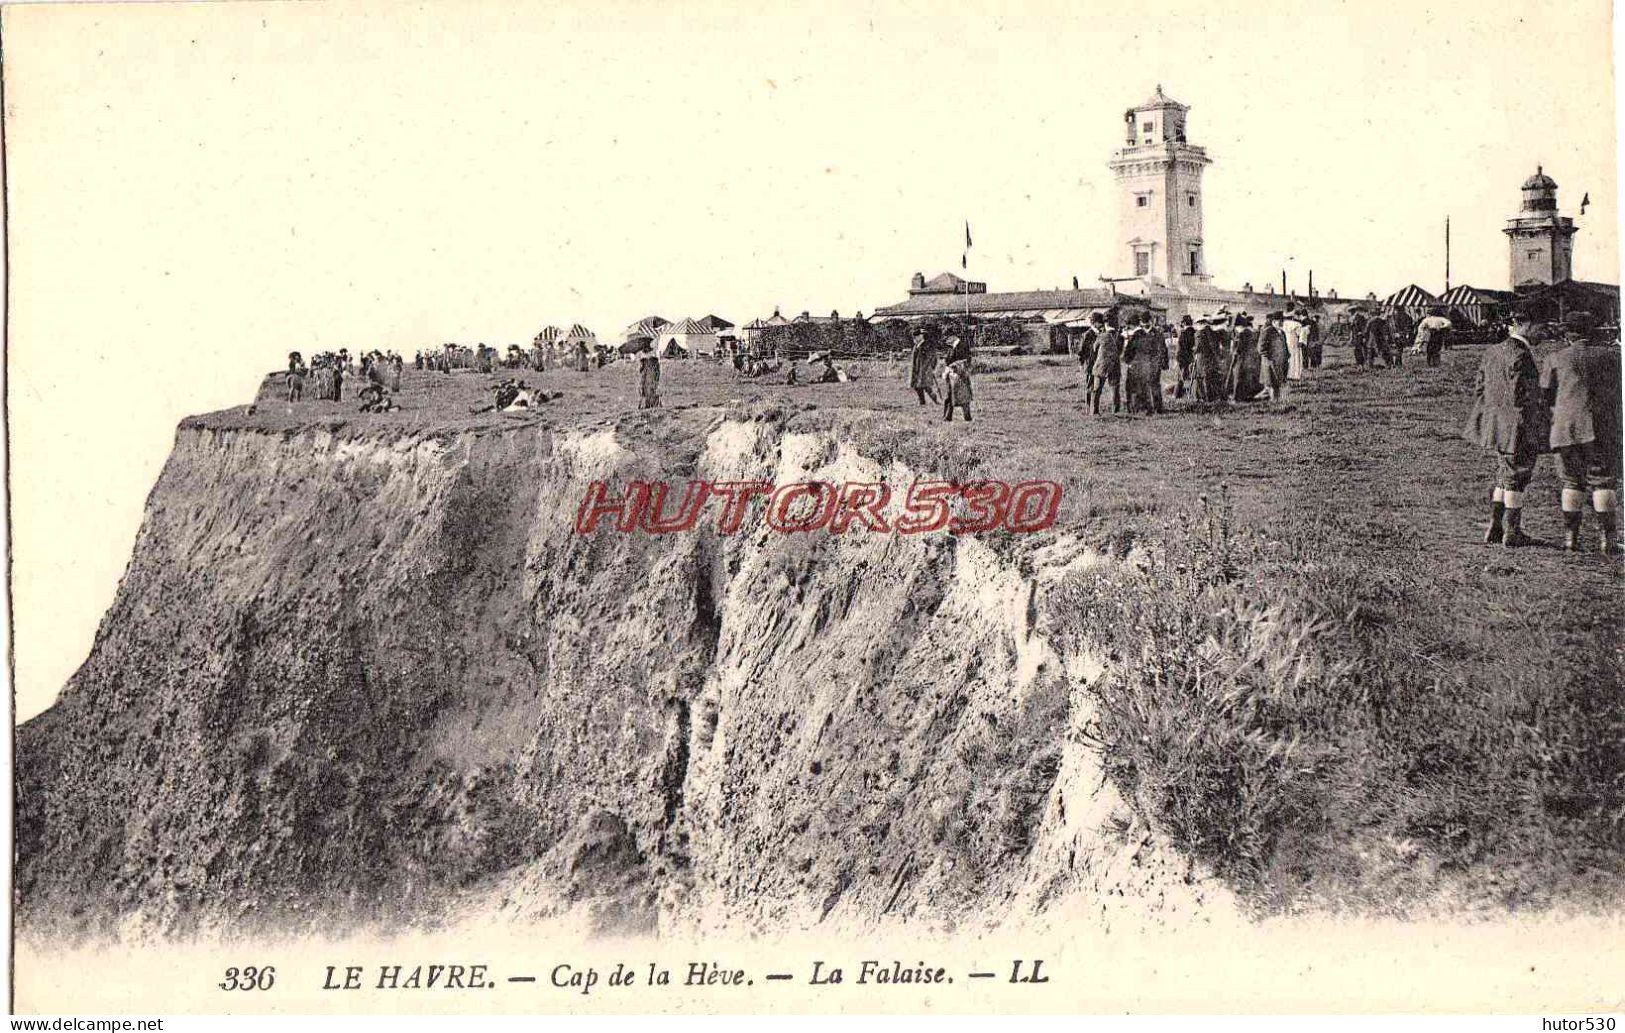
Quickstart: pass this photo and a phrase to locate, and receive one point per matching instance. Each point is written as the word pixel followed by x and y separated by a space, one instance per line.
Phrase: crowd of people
pixel 540 357
pixel 324 376
pixel 1568 406
pixel 1214 358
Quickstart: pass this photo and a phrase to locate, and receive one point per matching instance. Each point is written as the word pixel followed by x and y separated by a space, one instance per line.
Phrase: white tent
pixel 689 336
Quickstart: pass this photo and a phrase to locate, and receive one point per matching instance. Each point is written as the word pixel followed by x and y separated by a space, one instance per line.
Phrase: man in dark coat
pixel 1108 363
pixel 1582 388
pixel 1509 417
pixel 1144 355
pixel 1272 346
pixel 1357 336
pixel 1377 345
pixel 1209 367
pixel 1087 344
pixel 922 367
pixel 1403 330
pixel 1184 354
pixel 1245 377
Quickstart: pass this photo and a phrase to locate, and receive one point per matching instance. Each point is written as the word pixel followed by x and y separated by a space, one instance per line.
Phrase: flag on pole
pixel 1585 201
pixel 964 259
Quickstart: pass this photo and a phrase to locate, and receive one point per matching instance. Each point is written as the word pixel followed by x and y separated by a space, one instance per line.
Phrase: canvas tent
pixel 686 337
pixel 648 326
pixel 581 334
pixel 1413 301
pixel 1474 306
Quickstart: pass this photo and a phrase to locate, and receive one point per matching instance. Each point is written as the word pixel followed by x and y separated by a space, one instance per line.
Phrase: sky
pixel 193 190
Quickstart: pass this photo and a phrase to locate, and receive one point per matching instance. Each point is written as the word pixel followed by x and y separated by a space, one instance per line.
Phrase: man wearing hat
pixel 1245 376
pixel 1144 355
pixel 922 367
pixel 1088 342
pixel 1108 363
pixel 1581 383
pixel 1508 417
pixel 1272 347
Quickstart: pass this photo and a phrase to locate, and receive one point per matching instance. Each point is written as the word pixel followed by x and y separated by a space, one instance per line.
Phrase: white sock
pixel 1514 499
pixel 1605 501
pixel 1573 500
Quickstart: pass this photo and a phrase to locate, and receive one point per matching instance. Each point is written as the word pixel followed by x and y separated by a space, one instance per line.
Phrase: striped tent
pixel 1413 301
pixel 687 337
pixel 580 333
pixel 649 326
pixel 548 335
pixel 1475 305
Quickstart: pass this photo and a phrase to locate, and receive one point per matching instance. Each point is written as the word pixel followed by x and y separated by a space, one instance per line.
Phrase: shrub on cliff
pixel 1263 705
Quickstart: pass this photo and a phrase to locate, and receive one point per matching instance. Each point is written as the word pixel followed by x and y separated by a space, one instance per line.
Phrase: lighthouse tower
pixel 1542 240
pixel 1159 187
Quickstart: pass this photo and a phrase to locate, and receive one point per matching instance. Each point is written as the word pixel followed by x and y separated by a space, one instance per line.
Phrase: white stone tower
pixel 1542 240
pixel 1159 178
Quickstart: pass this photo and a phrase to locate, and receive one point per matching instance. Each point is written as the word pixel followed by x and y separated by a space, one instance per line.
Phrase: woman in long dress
pixel 1209 368
pixel 1295 359
pixel 1246 376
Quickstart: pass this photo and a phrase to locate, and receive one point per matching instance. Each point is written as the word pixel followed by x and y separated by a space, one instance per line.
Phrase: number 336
pixel 252 977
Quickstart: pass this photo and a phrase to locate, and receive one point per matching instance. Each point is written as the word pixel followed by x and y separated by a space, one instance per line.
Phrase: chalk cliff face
pixel 375 676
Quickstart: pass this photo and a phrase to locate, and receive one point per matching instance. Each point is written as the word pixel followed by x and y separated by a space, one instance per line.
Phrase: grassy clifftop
pixel 372 638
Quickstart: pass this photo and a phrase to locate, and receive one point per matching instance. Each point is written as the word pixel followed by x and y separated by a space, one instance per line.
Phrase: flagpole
pixel 965 265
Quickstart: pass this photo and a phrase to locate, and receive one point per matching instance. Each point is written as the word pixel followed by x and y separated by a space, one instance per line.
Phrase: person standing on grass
pixel 1209 367
pixel 1402 330
pixel 643 347
pixel 1376 334
pixel 1144 355
pixel 1245 377
pixel 296 377
pixel 956 388
pixel 1184 354
pixel 1582 389
pixel 1431 331
pixel 1357 336
pixel 1088 343
pixel 1293 329
pixel 1508 418
pixel 922 367
pixel 1272 347
pixel 1108 363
